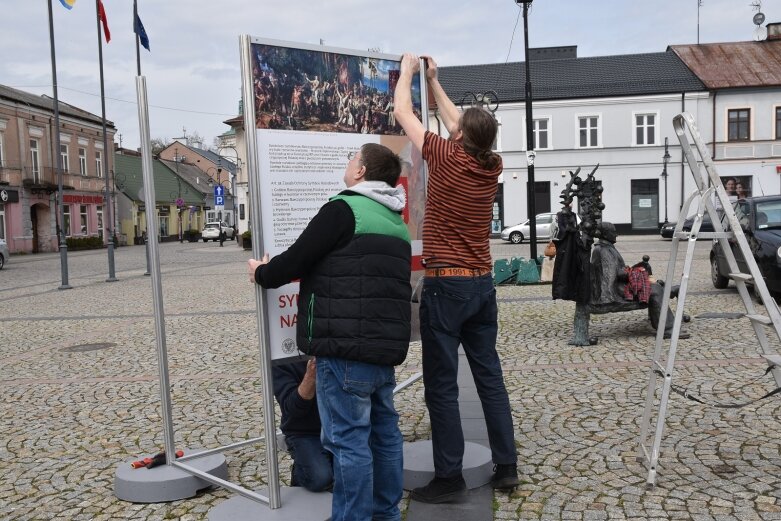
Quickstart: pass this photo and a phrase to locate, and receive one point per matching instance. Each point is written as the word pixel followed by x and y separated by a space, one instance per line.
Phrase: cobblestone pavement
pixel 69 416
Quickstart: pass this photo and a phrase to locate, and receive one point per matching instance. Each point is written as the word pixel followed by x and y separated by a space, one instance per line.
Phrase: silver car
pixel 520 232
pixel 4 253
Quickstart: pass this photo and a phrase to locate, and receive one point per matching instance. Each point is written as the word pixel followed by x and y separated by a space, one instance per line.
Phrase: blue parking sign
pixel 219 200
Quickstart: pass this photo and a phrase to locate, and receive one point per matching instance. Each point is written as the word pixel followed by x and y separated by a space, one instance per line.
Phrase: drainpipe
pixel 713 122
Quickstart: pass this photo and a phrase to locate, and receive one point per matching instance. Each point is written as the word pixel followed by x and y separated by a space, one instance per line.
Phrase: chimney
pixel 774 31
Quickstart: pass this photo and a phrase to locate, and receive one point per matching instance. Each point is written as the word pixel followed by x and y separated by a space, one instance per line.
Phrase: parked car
pixel 760 219
pixel 4 253
pixel 668 229
pixel 520 232
pixel 212 231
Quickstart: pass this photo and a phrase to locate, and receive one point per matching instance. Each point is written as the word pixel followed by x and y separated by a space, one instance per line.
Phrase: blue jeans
pixel 312 467
pixel 361 430
pixel 453 311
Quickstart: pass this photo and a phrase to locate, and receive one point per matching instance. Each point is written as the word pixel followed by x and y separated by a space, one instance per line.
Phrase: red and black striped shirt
pixel 459 206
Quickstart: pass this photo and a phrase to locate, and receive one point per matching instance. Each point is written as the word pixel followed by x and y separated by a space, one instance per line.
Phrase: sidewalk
pixel 78 375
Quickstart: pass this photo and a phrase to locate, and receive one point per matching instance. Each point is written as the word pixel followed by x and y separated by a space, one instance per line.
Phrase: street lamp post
pixel 179 200
pixel 529 134
pixel 665 160
pixel 213 180
pixel 236 160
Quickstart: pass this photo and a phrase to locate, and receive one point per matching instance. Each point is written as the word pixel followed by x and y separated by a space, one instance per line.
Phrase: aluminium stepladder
pixel 685 127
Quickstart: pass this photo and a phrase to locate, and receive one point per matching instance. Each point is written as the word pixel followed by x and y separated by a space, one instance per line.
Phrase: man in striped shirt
pixel 458 303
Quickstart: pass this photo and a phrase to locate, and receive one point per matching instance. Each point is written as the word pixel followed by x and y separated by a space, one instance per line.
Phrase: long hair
pixel 479 128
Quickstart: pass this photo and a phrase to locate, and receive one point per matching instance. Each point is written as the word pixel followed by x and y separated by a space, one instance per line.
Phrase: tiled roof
pixel 215 158
pixel 130 180
pixel 601 76
pixel 736 64
pixel 47 103
pixel 193 175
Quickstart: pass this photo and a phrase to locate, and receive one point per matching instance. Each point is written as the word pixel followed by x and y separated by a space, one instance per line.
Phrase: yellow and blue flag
pixel 68 4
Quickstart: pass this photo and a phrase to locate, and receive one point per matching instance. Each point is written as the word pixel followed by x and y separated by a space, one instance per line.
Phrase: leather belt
pixel 456 272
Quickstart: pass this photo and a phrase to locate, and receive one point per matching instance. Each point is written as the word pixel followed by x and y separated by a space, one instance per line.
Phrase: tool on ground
pixel 155 461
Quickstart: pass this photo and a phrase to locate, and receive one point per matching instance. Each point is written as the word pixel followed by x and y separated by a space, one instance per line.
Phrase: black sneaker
pixel 505 476
pixel 440 490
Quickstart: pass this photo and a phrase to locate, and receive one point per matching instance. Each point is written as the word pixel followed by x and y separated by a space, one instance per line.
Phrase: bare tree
pixel 159 144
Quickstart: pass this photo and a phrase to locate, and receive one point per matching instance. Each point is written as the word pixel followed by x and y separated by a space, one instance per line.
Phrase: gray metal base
pixel 297 504
pixel 419 464
pixel 166 483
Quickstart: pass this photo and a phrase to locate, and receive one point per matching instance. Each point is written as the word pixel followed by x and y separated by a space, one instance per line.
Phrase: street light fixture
pixel 531 204
pixel 665 160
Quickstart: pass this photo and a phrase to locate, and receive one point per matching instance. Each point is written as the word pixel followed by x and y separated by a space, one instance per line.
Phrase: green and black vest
pixel 355 303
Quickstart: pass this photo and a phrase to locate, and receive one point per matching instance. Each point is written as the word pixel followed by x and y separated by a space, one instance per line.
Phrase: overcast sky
pixel 193 72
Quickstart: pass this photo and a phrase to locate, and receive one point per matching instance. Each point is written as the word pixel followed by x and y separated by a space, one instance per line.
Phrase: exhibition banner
pixel 313 106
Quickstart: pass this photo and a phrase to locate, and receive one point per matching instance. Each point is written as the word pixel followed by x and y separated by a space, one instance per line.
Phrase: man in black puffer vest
pixel 354 261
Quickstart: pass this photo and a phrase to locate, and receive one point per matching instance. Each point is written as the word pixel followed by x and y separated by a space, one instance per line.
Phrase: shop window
pixel 83 219
pixel 100 221
pixel 66 220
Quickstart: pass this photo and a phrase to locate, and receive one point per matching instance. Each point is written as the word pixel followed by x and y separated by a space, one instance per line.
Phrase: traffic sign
pixel 219 191
pixel 219 200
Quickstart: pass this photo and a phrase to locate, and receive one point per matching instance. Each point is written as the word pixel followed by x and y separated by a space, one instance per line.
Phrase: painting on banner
pixel 312 107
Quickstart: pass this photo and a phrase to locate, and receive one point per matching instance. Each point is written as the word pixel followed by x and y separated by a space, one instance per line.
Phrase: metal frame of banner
pixel 273 498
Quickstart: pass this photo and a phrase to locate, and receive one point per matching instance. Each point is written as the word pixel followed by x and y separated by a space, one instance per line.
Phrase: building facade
pixel 612 111
pixel 29 218
pixel 179 207
pixel 617 112
pixel 218 170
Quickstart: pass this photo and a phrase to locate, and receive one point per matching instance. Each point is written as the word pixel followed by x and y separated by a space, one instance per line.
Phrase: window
pixel 588 135
pixel 66 219
pixel 541 129
pixel 83 161
pixel 83 218
pixel 100 220
pixel 738 125
pixel 99 163
pixel 2 221
pixel 35 160
pixel 778 132
pixel 64 157
pixel 645 129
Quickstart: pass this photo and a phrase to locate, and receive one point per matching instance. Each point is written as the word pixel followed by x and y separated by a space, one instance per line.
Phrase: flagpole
pixel 138 50
pixel 58 161
pixel 106 171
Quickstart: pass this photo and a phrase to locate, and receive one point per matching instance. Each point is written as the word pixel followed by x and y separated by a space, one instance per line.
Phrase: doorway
pixel 39 217
pixel 542 196
pixel 645 204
